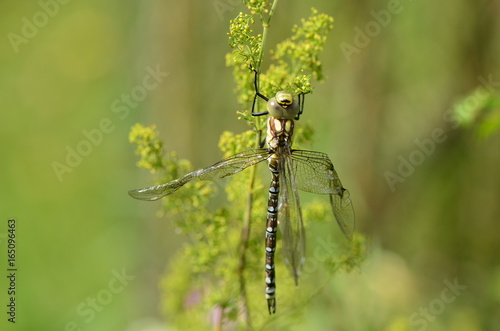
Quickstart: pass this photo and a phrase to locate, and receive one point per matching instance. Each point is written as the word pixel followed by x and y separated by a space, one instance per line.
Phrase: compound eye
pixel 274 108
pixel 283 106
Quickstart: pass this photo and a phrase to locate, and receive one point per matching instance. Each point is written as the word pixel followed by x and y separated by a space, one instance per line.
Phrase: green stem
pixel 245 237
pixel 265 27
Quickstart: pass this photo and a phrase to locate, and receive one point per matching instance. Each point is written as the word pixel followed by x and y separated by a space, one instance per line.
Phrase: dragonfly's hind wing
pixel 226 167
pixel 290 219
pixel 316 174
pixel 343 211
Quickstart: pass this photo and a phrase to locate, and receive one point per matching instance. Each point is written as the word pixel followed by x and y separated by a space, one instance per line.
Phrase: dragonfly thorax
pixel 283 105
pixel 279 132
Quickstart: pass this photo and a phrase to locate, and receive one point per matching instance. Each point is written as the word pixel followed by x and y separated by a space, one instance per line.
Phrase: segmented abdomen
pixel 271 229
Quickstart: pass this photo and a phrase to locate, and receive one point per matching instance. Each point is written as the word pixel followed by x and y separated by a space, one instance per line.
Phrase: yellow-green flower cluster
pixel 149 147
pixel 295 61
pixel 301 51
pixel 257 6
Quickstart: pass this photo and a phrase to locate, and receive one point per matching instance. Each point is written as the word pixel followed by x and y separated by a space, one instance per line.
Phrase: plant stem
pixel 245 236
pixel 265 27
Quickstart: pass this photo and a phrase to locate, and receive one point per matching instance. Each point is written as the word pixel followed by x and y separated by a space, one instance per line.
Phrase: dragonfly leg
pixel 258 94
pixel 302 98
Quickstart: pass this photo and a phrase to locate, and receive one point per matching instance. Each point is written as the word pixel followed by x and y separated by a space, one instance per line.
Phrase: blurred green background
pixel 67 73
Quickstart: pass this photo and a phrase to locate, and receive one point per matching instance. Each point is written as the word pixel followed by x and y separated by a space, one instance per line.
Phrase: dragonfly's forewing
pixel 226 167
pixel 290 218
pixel 315 173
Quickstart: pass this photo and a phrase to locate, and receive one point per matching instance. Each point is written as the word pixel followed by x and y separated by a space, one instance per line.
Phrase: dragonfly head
pixel 283 106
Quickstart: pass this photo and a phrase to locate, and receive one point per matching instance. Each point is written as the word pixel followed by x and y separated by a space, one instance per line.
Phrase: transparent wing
pixel 343 211
pixel 315 173
pixel 226 167
pixel 290 218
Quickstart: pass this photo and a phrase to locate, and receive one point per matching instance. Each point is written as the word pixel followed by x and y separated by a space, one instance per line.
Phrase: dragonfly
pixel 291 170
